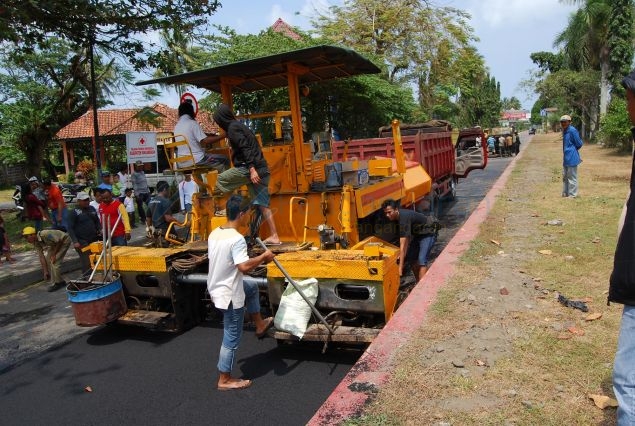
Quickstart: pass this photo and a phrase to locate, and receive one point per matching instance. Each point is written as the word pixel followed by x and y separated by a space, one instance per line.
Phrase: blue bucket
pixel 92 294
pixel 96 304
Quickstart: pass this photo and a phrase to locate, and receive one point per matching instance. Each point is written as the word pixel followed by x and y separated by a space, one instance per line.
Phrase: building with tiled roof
pixel 282 27
pixel 113 126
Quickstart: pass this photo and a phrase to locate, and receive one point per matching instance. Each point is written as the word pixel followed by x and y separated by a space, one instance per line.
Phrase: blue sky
pixel 509 30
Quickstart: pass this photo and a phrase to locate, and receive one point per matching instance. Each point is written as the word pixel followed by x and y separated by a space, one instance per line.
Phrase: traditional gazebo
pixel 113 126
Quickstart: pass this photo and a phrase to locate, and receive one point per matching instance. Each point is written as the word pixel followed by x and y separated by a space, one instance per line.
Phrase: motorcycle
pixel 70 190
pixel 18 199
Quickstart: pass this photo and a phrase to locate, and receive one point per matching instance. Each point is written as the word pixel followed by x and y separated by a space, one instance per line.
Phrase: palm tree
pixel 585 43
pixel 178 56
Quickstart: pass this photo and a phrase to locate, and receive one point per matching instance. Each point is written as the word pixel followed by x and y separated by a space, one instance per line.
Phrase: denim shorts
pixel 236 177
pixel 419 249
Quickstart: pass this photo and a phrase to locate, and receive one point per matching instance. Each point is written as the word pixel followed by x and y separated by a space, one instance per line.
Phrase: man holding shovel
pixel 228 261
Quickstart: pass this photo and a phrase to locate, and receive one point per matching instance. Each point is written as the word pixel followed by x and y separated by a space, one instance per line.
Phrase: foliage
pixel 615 127
pixel 118 26
pixel 510 103
pixel 571 92
pixel 45 90
pixel 481 104
pixel 355 106
pixel 547 61
pixel 10 154
pixel 620 40
pixel 598 39
pixel 418 43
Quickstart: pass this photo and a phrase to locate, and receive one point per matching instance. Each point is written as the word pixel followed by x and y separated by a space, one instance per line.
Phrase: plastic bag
pixel 294 313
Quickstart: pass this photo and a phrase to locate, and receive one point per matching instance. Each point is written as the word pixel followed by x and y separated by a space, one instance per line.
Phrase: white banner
pixel 141 146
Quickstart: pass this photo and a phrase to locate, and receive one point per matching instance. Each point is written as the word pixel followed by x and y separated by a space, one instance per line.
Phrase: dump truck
pixel 330 227
pixel 430 145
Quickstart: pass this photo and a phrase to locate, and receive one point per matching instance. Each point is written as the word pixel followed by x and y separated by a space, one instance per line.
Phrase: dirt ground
pixel 497 346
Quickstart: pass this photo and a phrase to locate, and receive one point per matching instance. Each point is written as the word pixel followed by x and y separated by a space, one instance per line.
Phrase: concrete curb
pixel 375 366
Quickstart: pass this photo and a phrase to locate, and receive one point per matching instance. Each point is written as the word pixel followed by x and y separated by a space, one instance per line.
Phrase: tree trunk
pixel 604 88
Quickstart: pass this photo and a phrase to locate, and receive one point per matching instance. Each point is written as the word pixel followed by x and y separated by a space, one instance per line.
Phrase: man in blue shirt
pixel 571 143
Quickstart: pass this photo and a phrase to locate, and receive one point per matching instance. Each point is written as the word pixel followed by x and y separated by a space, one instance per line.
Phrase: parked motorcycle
pixel 70 190
pixel 18 199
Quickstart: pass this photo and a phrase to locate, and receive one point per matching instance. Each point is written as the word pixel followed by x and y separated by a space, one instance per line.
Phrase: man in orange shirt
pixel 56 204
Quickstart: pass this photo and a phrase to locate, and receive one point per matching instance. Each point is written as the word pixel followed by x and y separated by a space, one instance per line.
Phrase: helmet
pixel 33 179
pixel 29 230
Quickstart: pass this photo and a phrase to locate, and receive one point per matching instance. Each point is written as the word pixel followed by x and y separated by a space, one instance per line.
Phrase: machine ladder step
pixel 143 318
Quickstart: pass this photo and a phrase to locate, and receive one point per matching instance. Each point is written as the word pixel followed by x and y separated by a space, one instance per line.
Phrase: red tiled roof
pixel 282 27
pixel 115 122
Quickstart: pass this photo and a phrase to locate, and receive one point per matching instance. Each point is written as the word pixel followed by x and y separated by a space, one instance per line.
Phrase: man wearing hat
pixel 83 228
pixel 36 188
pixel 571 143
pixel 106 180
pixel 56 244
pixel 622 289
pixel 140 188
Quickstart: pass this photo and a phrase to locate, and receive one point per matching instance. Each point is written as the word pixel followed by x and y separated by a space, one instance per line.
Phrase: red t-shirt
pixel 112 210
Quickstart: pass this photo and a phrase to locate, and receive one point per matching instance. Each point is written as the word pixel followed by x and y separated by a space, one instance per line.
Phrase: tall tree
pixel 119 26
pixel 179 55
pixel 419 43
pixel 356 106
pixel 510 103
pixel 584 44
pixel 44 91
pixel 620 40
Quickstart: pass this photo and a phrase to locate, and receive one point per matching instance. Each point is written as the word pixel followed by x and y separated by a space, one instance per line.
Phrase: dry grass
pixel 533 375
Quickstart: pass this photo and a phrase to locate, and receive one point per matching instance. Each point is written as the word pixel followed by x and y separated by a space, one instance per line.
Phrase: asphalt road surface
pixel 136 376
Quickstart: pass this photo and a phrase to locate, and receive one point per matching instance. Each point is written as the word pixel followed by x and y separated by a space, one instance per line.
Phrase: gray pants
pixel 570 181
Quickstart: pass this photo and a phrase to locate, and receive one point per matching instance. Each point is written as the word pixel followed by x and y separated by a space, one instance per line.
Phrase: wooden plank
pixel 140 317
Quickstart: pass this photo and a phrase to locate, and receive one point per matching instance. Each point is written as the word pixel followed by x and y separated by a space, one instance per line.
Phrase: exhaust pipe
pixel 201 279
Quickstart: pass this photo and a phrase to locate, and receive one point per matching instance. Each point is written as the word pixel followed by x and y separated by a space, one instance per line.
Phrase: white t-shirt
pixel 186 190
pixel 123 179
pixel 194 134
pixel 226 249
pixel 128 202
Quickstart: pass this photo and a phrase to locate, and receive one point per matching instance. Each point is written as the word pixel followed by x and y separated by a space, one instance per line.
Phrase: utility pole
pixel 93 95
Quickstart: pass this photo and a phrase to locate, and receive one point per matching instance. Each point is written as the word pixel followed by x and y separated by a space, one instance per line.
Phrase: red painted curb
pixel 374 367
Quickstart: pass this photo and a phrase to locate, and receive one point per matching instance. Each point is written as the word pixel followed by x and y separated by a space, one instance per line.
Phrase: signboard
pixel 141 146
pixel 516 115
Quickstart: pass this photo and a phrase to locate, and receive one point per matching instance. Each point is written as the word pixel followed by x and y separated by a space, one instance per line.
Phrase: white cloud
pixel 501 14
pixel 278 11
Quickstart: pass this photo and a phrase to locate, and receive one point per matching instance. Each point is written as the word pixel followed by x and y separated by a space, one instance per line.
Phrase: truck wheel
pixel 451 195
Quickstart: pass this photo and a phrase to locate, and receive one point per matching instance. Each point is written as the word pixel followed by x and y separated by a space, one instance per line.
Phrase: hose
pixel 189 263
